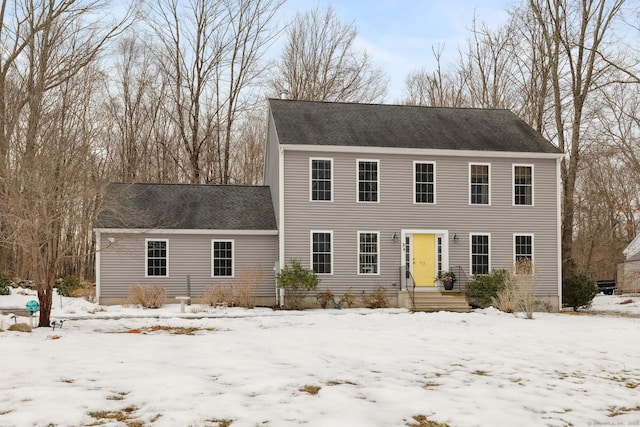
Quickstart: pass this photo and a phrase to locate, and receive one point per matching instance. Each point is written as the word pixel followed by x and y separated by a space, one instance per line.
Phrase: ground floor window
pixel 222 258
pixel 480 254
pixel 157 257
pixel 322 252
pixel 368 252
pixel 523 253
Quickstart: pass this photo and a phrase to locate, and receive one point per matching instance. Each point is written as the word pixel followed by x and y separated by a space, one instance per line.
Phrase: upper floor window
pixel 480 254
pixel 479 190
pixel 321 179
pixel 424 182
pixel 368 180
pixel 321 252
pixel 222 258
pixel 368 252
pixel 157 257
pixel 523 253
pixel 522 185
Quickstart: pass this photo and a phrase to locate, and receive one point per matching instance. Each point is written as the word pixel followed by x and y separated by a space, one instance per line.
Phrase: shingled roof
pixel 633 258
pixel 404 126
pixel 187 206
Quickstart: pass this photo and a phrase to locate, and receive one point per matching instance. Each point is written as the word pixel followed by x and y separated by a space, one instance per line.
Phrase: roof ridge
pixel 389 105
pixel 188 184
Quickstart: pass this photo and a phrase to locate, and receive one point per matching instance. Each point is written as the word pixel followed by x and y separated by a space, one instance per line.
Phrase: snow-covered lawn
pixel 220 367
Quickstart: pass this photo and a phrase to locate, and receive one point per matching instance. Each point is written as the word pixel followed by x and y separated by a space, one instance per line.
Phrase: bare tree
pixel 52 44
pixel 487 64
pixel 210 56
pixel 249 157
pixel 249 35
pixel 438 88
pixel 133 113
pixel 189 51
pixel 574 36
pixel 321 63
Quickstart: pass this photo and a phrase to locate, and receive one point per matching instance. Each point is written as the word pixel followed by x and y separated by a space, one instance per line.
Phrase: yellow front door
pixel 424 259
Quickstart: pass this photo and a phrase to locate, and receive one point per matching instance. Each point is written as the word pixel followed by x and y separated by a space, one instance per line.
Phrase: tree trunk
pixel 45 298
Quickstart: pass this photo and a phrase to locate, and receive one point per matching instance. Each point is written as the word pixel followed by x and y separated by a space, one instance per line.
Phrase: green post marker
pixel 32 308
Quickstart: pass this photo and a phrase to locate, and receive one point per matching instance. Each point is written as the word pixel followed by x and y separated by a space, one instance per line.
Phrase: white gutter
pixel 420 151
pixel 188 231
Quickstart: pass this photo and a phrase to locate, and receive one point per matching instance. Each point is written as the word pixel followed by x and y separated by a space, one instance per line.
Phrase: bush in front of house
pixel 376 299
pixel 5 284
pixel 249 278
pixel 242 293
pixel 325 297
pixel 485 288
pixel 507 297
pixel 348 298
pixel 578 291
pixel 518 290
pixel 69 285
pixel 297 282
pixel 219 295
pixel 147 296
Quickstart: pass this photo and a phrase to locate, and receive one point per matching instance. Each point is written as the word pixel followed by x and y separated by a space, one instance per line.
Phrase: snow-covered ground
pixel 120 366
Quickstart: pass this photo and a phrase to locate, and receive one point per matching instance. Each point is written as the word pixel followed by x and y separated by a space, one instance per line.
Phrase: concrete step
pixel 441 301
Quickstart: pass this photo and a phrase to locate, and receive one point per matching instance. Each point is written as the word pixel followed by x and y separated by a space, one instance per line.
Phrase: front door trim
pixel 438 233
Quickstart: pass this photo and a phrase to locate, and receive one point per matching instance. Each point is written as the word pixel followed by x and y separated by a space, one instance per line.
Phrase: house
pixel 628 280
pixel 184 238
pixel 367 196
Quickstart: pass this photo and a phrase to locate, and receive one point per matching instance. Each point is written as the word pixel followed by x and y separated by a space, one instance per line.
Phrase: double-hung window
pixel 480 250
pixel 479 184
pixel 322 252
pixel 424 182
pixel 368 251
pixel 157 257
pixel 523 185
pixel 368 180
pixel 222 258
pixel 321 177
pixel 523 253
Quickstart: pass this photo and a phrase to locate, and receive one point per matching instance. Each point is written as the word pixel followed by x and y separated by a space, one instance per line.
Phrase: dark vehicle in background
pixel 607 287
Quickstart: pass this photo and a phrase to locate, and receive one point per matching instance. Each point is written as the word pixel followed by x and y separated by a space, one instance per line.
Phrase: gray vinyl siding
pixel 122 263
pixel 271 167
pixel 396 211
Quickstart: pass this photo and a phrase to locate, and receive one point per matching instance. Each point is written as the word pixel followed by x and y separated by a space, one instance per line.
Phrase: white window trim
pixel 330 232
pixel 377 162
pixel 533 249
pixel 311 159
pixel 233 258
pixel 416 162
pixel 471 250
pixel 377 233
pixel 146 256
pixel 469 182
pixel 513 184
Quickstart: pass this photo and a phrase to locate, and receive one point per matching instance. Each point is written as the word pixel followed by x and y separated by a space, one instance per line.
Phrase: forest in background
pixel 174 92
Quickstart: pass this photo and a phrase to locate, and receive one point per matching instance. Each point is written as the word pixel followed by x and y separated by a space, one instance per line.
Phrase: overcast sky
pixel 399 34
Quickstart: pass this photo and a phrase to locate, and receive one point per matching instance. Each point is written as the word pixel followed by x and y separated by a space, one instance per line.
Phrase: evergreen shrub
pixel 578 291
pixel 484 288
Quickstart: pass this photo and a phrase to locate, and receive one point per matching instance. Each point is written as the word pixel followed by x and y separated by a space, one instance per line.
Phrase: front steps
pixel 435 300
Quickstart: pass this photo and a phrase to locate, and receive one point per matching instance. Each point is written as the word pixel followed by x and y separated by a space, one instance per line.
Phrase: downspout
pixel 97 266
pixel 281 258
pixel 559 228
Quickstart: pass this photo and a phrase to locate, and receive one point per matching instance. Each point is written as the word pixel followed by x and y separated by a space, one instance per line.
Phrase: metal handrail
pixel 460 273
pixel 412 292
